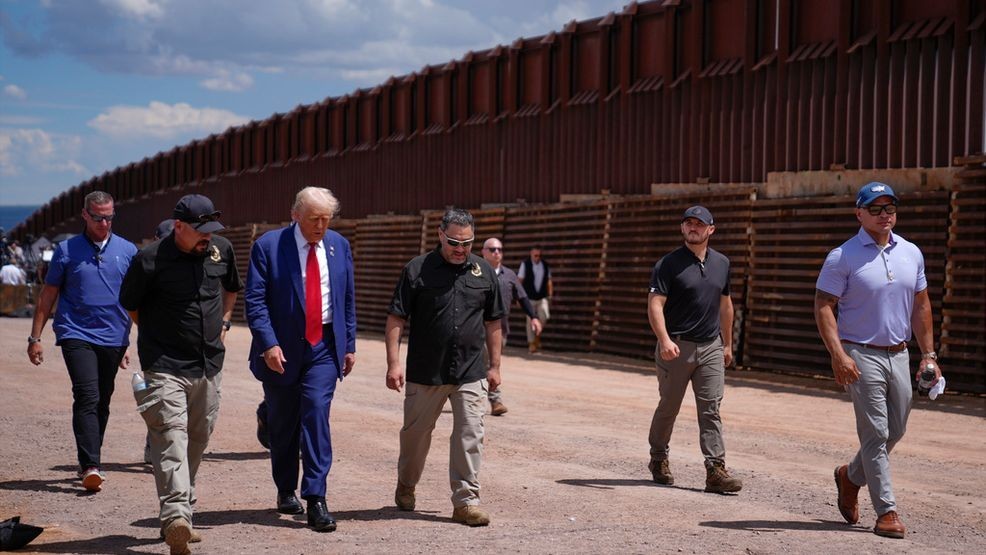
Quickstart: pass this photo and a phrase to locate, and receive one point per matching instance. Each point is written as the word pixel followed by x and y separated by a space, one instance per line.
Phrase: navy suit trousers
pixel 298 418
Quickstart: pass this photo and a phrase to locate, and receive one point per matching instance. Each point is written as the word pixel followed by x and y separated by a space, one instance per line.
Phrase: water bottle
pixel 138 383
pixel 924 380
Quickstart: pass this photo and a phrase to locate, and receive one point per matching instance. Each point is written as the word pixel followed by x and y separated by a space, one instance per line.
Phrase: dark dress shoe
pixel 288 504
pixel 319 517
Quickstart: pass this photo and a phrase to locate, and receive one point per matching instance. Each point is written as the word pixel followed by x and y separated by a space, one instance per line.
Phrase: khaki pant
pixel 422 406
pixel 180 414
pixel 544 314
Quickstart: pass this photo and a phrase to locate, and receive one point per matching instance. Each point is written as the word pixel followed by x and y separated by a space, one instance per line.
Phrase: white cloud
pixel 164 121
pixel 13 91
pixel 228 81
pixel 136 9
pixel 37 149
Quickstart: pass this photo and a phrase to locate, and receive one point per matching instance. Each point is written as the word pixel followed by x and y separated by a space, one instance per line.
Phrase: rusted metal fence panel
pixel 790 239
pixel 384 244
pixel 571 236
pixel 963 337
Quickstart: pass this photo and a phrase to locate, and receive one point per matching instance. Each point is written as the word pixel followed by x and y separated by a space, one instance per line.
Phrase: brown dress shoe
pixel 848 500
pixel 890 526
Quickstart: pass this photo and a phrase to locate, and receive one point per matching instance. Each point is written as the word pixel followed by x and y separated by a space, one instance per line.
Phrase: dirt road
pixel 564 470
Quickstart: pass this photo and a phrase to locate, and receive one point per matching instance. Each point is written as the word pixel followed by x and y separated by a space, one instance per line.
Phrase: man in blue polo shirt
pixel 692 317
pixel 90 326
pixel 877 281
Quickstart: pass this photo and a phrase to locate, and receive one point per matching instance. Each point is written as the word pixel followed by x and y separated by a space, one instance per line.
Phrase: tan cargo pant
pixel 180 414
pixel 422 406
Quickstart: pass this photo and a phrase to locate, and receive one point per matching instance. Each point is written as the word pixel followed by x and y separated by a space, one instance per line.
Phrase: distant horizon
pixel 13 214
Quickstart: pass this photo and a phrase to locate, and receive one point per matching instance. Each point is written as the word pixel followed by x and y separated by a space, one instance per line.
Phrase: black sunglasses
pixel 457 243
pixel 213 217
pixel 494 249
pixel 875 209
pixel 100 219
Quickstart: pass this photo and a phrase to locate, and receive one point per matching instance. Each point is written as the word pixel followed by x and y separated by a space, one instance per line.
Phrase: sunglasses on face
pixel 495 249
pixel 875 209
pixel 466 243
pixel 100 219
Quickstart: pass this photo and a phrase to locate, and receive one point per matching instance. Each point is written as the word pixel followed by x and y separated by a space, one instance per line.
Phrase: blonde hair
pixel 317 195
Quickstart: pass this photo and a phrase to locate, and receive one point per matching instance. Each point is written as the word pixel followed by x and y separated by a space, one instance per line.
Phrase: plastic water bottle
pixel 924 380
pixel 138 383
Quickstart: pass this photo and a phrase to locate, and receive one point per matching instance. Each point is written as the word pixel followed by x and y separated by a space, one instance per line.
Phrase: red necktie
pixel 313 298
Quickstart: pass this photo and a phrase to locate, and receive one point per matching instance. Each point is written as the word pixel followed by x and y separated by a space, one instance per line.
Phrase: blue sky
pixel 89 85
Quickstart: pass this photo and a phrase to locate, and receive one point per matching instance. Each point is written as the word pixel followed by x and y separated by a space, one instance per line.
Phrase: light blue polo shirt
pixel 875 289
pixel 88 285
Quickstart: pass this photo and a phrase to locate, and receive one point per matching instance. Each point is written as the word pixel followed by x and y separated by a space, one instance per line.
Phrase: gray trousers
pixel 180 414
pixel 422 406
pixel 703 365
pixel 882 402
pixel 495 395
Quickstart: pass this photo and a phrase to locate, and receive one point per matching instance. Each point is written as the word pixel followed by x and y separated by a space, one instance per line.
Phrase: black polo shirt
pixel 694 289
pixel 447 307
pixel 179 301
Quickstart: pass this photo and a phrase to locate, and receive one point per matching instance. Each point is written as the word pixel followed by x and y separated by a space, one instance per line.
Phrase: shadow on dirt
pixel 783 525
pixel 103 544
pixel 613 483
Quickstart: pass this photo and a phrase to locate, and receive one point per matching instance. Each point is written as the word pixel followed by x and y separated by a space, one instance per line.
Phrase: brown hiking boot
pixel 497 408
pixel 471 515
pixel 661 472
pixel 890 526
pixel 194 537
pixel 177 534
pixel 404 497
pixel 718 480
pixel 848 495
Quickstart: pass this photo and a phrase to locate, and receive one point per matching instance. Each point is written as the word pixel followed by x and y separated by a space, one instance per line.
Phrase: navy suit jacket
pixel 275 302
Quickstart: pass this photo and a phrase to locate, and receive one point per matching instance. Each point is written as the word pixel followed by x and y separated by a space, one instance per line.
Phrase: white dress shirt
pixel 323 270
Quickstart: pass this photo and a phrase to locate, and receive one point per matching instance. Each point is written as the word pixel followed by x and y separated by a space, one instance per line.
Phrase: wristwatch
pixel 31 340
pixel 227 324
pixel 929 356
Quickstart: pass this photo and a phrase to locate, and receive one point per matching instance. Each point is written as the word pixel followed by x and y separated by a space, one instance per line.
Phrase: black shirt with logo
pixel 179 300
pixel 694 289
pixel 447 307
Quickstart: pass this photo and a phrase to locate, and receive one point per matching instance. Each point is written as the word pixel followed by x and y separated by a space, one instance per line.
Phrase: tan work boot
pixel 177 534
pixel 497 408
pixel 661 472
pixel 718 480
pixel 471 515
pixel 404 497
pixel 890 526
pixel 194 537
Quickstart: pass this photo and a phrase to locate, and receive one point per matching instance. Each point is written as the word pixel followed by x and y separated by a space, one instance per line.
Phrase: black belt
pixel 902 346
pixel 691 339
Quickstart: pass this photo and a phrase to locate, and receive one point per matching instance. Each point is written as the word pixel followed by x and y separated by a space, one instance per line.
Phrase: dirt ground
pixel 564 470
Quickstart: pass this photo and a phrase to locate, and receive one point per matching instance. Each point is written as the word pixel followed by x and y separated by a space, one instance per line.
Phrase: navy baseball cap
pixel 198 211
pixel 872 191
pixel 700 213
pixel 164 228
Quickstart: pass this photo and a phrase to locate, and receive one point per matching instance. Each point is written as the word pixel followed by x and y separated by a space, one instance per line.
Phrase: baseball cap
pixel 164 228
pixel 700 213
pixel 872 191
pixel 198 211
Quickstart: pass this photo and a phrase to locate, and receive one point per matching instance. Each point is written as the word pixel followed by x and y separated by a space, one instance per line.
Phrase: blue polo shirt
pixel 875 286
pixel 88 280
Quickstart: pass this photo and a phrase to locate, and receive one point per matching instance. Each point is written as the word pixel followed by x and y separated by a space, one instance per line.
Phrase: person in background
pixel 510 290
pixel 535 275
pixel 93 330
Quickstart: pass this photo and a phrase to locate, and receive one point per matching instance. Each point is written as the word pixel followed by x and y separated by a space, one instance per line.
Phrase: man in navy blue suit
pixel 301 308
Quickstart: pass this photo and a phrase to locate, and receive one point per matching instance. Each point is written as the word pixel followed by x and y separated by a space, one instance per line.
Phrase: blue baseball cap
pixel 700 213
pixel 872 191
